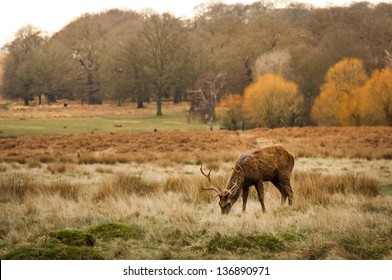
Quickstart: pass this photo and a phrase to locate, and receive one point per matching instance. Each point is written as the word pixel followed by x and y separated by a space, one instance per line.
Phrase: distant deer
pixel 272 164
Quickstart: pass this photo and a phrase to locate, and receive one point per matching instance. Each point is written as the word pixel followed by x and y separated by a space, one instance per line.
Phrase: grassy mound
pixel 53 252
pixel 265 242
pixel 74 237
pixel 115 230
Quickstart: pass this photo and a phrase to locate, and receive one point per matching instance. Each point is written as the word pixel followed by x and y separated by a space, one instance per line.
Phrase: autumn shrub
pixel 378 95
pixel 272 101
pixel 231 113
pixel 341 101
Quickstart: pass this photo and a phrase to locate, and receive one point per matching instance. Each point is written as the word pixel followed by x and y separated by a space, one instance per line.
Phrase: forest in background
pixel 317 66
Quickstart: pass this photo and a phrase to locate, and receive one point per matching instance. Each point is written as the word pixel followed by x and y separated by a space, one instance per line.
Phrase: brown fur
pixel 273 164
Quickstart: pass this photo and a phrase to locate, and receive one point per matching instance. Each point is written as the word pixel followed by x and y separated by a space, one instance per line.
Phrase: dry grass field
pixel 138 195
pixel 2 57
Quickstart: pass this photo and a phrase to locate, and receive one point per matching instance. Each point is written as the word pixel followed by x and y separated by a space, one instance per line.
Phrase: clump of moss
pixel 52 251
pixel 358 249
pixel 74 237
pixel 116 230
pixel 259 241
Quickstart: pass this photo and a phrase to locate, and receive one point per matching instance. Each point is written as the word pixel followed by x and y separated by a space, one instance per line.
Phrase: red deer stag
pixel 272 164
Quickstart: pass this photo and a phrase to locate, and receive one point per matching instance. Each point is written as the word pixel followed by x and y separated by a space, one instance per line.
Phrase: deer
pixel 273 164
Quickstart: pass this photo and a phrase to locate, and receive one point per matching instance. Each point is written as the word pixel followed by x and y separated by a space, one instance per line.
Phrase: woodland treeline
pixel 260 65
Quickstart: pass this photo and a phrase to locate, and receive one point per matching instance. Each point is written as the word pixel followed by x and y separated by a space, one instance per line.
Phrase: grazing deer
pixel 272 164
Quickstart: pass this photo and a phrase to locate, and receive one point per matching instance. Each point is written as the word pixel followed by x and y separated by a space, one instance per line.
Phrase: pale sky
pixel 51 15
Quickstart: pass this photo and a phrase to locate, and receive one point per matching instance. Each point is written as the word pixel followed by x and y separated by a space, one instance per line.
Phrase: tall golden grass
pixel 18 187
pixel 334 217
pixel 319 189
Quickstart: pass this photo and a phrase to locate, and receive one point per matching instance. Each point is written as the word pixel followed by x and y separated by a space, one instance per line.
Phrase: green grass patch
pixel 115 230
pixel 53 252
pixel 265 242
pixel 94 125
pixel 255 245
pixel 361 250
pixel 386 190
pixel 291 235
pixel 73 237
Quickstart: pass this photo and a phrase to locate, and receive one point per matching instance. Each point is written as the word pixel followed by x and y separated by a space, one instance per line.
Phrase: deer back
pixel 266 163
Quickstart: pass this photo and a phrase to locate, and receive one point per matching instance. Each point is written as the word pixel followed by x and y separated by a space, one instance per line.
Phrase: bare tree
pixel 15 82
pixel 84 39
pixel 210 89
pixel 388 59
pixel 84 55
pixel 277 62
pixel 46 69
pixel 162 42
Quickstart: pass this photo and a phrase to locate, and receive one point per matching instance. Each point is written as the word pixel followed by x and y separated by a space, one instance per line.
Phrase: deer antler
pixel 240 167
pixel 235 185
pixel 208 176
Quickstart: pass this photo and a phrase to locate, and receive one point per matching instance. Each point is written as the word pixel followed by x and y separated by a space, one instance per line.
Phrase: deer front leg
pixel 260 194
pixel 245 193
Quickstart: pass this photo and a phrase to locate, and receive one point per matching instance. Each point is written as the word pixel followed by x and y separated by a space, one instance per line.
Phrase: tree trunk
pixel 159 105
pixel 177 97
pixel 140 100
pixel 388 115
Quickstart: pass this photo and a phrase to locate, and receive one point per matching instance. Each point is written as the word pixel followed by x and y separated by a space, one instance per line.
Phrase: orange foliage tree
pixel 341 100
pixel 272 101
pixel 230 112
pixel 378 93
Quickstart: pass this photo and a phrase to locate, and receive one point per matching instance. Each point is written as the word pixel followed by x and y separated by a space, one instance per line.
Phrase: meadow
pixel 56 119
pixel 136 194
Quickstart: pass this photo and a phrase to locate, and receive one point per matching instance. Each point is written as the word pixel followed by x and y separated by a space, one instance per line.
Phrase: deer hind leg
pixel 284 182
pixel 260 194
pixel 280 188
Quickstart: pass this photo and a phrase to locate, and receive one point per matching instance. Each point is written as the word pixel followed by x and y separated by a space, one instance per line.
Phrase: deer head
pixel 226 197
